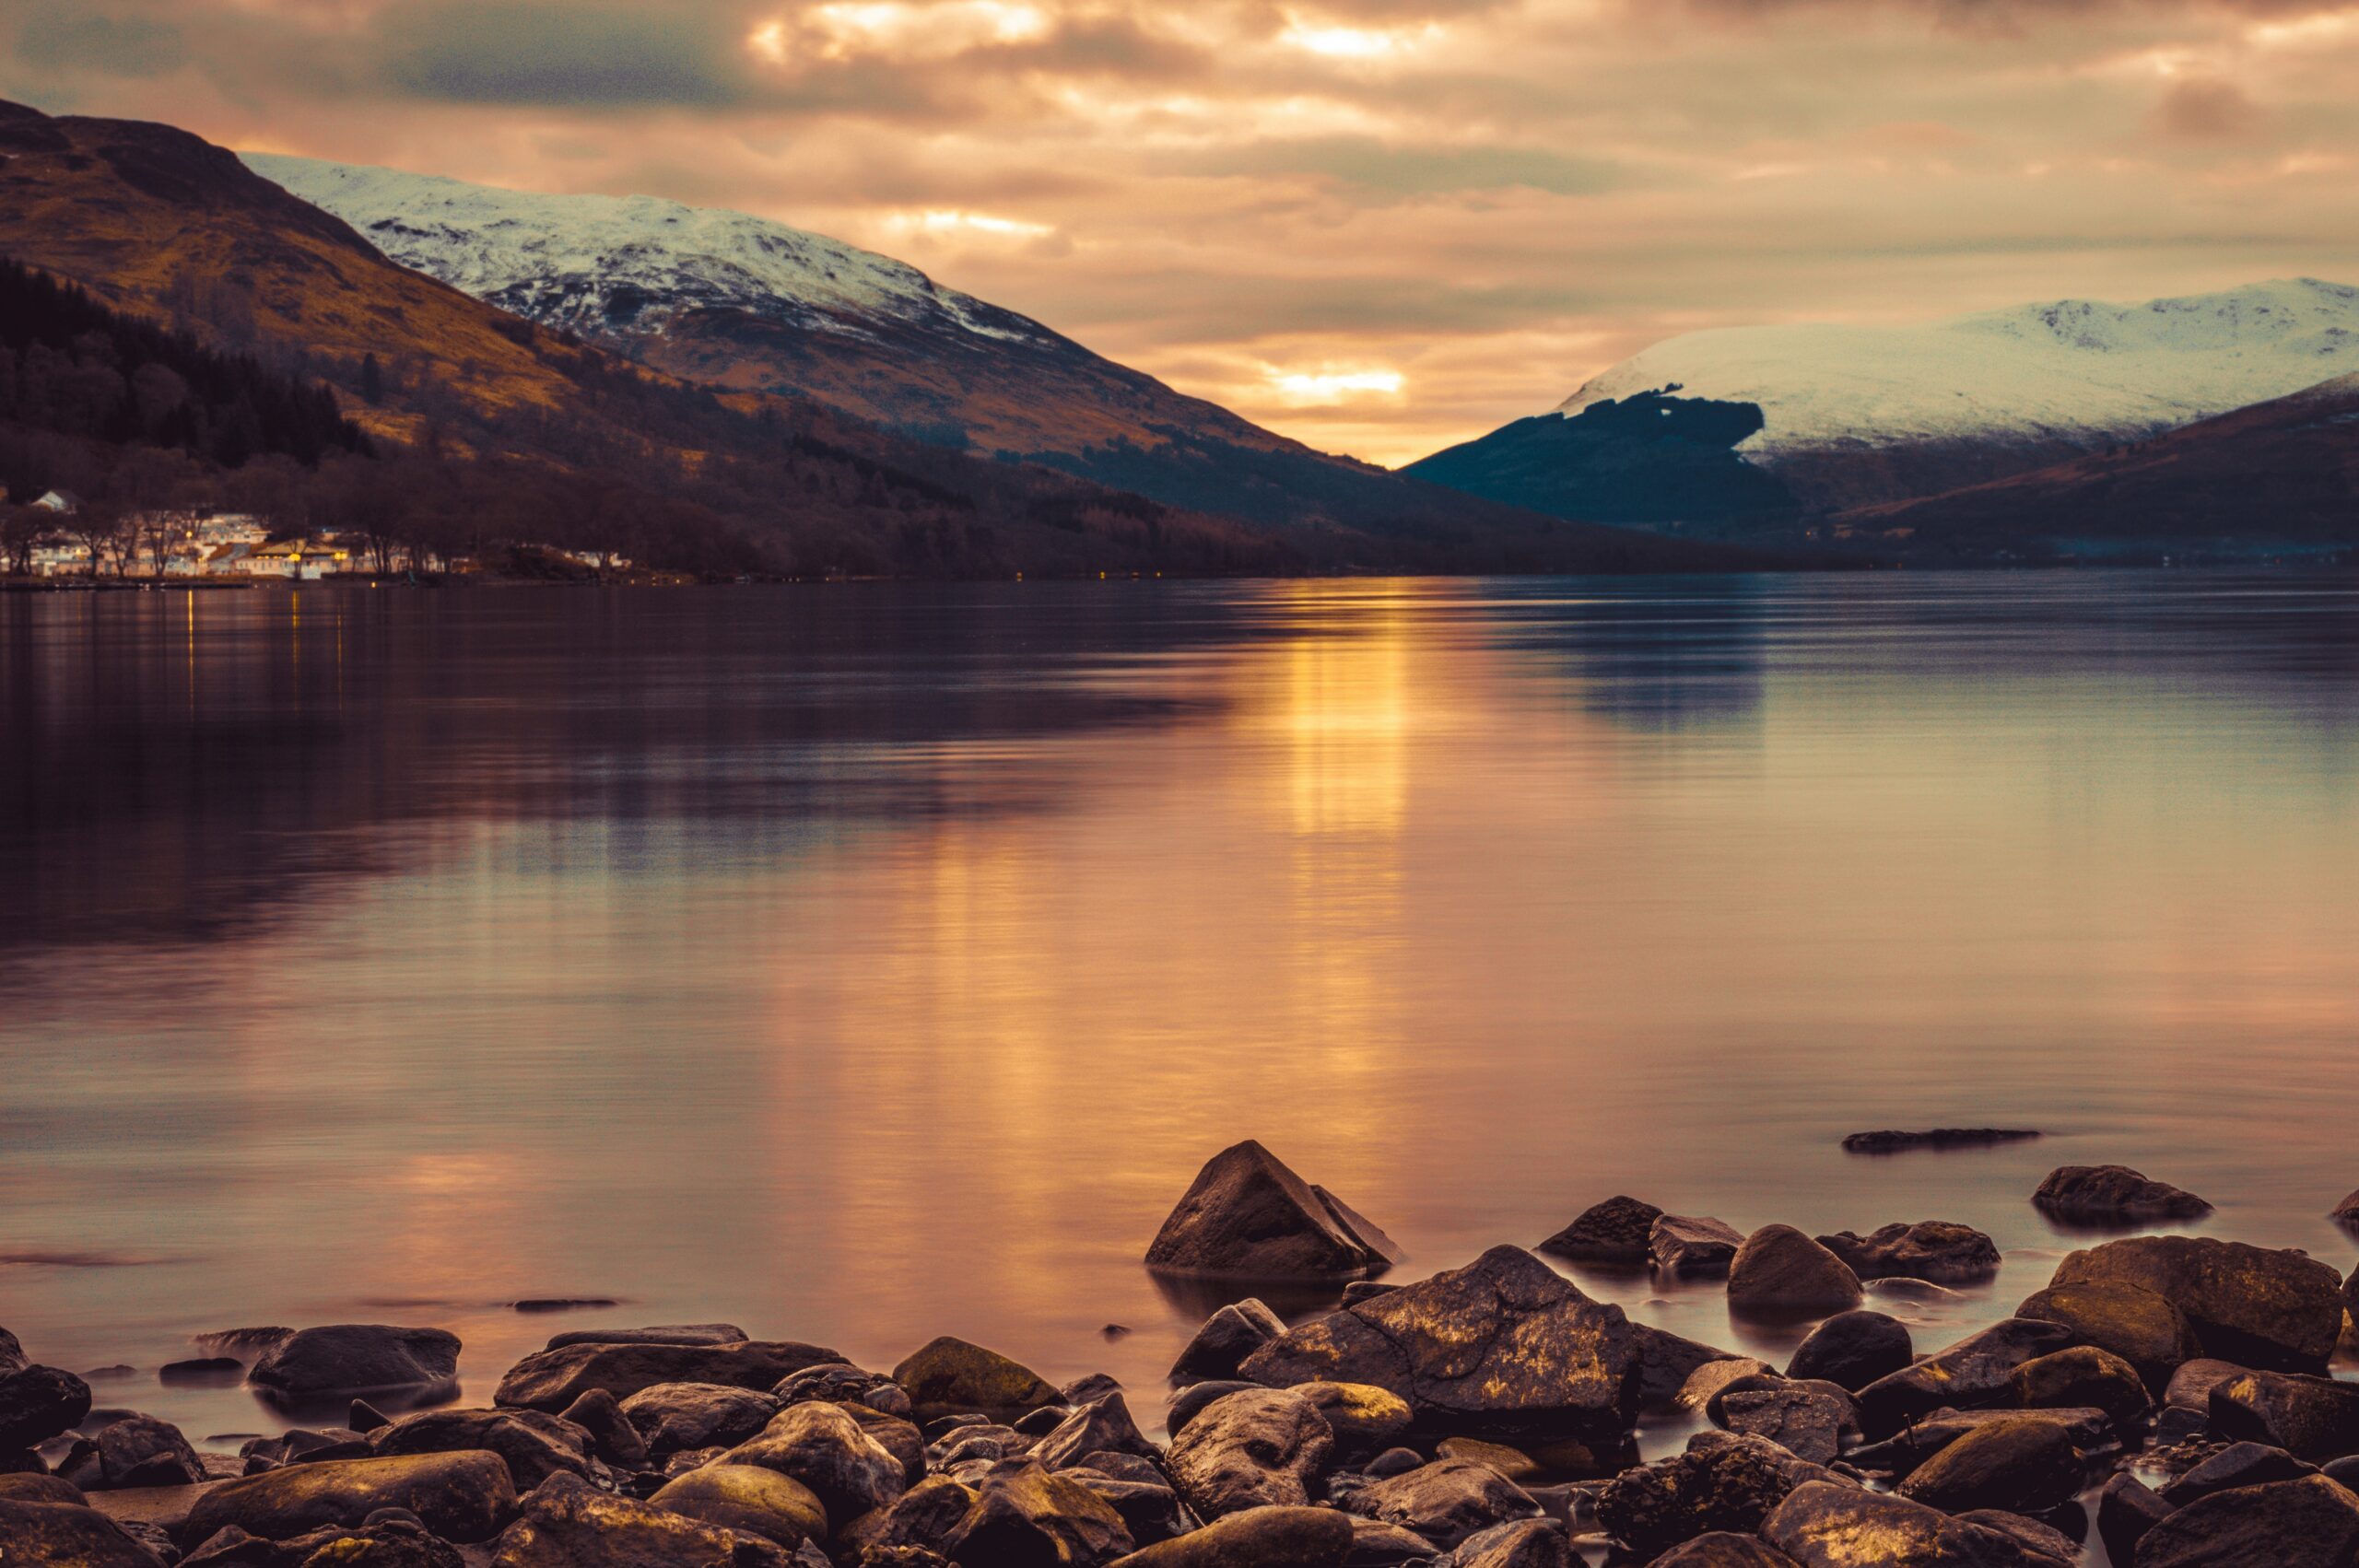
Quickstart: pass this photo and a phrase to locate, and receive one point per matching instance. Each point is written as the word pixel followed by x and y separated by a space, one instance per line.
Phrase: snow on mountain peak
pixel 2076 371
pixel 599 262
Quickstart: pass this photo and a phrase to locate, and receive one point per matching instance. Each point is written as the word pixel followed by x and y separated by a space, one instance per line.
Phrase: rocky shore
pixel 2160 1401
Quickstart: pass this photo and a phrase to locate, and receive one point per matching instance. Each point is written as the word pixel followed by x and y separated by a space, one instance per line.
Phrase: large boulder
pixel 38 1402
pixel 535 1444
pixel 1852 1350
pixel 2310 1523
pixel 1227 1336
pixel 462 1497
pixel 950 1377
pixel 2316 1418
pixel 2127 1509
pixel 1977 1370
pixel 2114 1194
pixel 1718 1484
pixel 2278 1311
pixel 1938 1250
pixel 1612 1231
pixel 612 1437
pixel 1260 1448
pixel 1099 1427
pixel 747 1497
pixel 61 1535
pixel 1692 1245
pixel 1810 1421
pixel 2081 1377
pixel 1501 1346
pixel 2023 1466
pixel 1249 1217
pixel 826 1449
pixel 2137 1325
pixel 1256 1537
pixel 1827 1525
pixel 135 1451
pixel 550 1380
pixel 1025 1516
pixel 1445 1502
pixel 1779 1270
pixel 566 1523
pixel 670 1417
pixel 2238 1465
pixel 344 1360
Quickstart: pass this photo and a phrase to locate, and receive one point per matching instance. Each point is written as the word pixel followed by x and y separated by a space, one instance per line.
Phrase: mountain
pixel 2277 480
pixel 1854 416
pixel 739 303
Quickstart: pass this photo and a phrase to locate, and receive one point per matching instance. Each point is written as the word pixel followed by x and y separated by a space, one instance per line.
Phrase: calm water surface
pixel 865 963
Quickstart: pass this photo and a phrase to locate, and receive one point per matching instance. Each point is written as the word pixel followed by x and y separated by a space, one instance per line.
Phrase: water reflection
pixel 866 965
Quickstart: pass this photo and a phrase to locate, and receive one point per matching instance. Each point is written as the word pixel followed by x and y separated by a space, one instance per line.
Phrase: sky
pixel 1379 226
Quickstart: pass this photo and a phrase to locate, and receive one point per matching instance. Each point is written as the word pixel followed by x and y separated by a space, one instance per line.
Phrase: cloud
pixel 1421 171
pixel 131 46
pixel 2207 109
pixel 573 55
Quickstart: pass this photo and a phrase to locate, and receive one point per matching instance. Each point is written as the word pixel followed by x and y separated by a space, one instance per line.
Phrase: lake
pixel 860 963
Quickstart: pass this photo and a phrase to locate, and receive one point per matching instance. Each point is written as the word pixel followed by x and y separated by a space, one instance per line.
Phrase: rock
pixel 346 1359
pixel 1227 1336
pixel 1723 1549
pixel 2043 1541
pixel 1393 1462
pixel 1151 1511
pixel 362 1417
pixel 1781 1270
pixel 1692 1246
pixel 1937 1138
pixel 1376 1544
pixel 2080 1377
pixel 1616 1231
pixel 38 1402
pixel 2132 1322
pixel 1934 1250
pixel 896 1437
pixel 747 1497
pixel 2239 1464
pixel 1977 1370
pixel 660 1334
pixel 2277 1311
pixel 1825 1526
pixel 59 1535
pixel 30 1488
pixel 390 1540
pixel 535 1445
pixel 1105 1425
pixel 951 1377
pixel 2127 1509
pixel 550 1380
pixel 832 1384
pixel 2316 1418
pixel 1042 1421
pixel 1089 1388
pixel 2345 1472
pixel 669 1417
pixel 1705 1383
pixel 1809 1422
pixel 1256 1537
pixel 2022 1466
pixel 1260 1448
pixel 1189 1402
pixel 1365 1419
pixel 462 1497
pixel 1246 1216
pixel 12 1353
pixel 2190 1387
pixel 200 1372
pixel 1025 1516
pixel 824 1448
pixel 1502 1347
pixel 2310 1523
pixel 135 1451
pixel 1524 1543
pixel 1666 1361
pixel 567 1524
pixel 1928 1435
pixel 1445 1502
pixel 1513 1464
pixel 2114 1194
pixel 1359 1291
pixel 612 1435
pixel 1728 1485
pixel 1852 1350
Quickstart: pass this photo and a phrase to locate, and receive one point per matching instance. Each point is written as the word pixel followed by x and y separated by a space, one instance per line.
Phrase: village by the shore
pixel 2163 1400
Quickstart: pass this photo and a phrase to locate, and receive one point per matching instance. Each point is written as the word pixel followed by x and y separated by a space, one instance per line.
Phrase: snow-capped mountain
pixel 598 264
pixel 1855 415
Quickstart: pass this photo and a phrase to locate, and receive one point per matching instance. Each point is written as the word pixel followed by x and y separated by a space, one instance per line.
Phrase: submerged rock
pixel 1889 1142
pixel 342 1360
pixel 658 1334
pixel 2114 1192
pixel 2278 1311
pixel 1247 1216
pixel 1501 1346
pixel 1852 1350
pixel 1616 1231
pixel 1692 1246
pixel 1778 1269
pixel 1934 1250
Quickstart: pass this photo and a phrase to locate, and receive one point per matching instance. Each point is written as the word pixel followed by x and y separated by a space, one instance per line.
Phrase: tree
pixel 372 380
pixel 20 529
